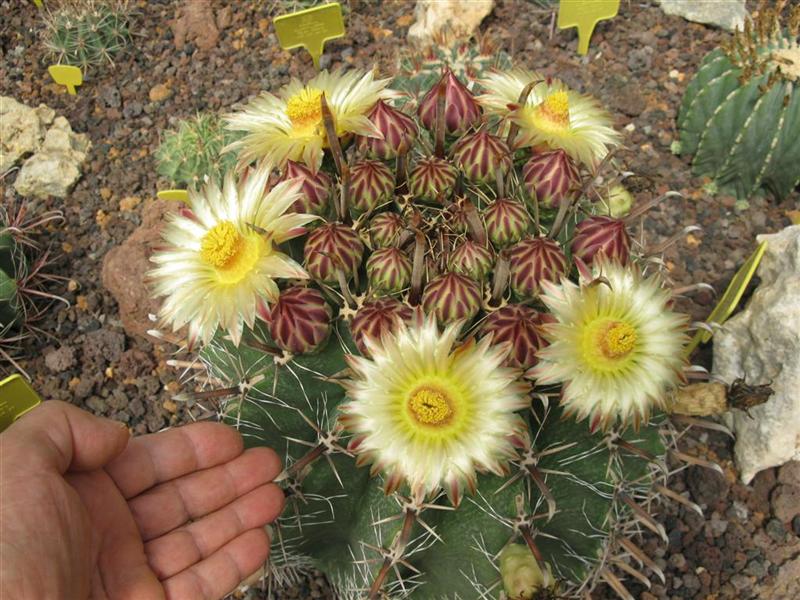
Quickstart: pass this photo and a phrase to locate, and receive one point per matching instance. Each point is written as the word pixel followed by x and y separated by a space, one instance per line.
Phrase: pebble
pixel 159 93
pixel 775 530
pixel 60 359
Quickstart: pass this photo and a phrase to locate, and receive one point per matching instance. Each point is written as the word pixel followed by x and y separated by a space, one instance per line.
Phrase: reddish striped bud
pixel 398 129
pixel 461 111
pixel 330 248
pixel 375 318
pixel 521 327
pixel 506 221
pixel 385 228
pixel 533 261
pixel 316 188
pixel 300 320
pixel 471 259
pixel 451 297
pixel 551 178
pixel 481 155
pixel 432 179
pixel 389 270
pixel 601 234
pixel 371 184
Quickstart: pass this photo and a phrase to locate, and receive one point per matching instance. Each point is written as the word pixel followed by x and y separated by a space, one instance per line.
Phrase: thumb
pixel 60 436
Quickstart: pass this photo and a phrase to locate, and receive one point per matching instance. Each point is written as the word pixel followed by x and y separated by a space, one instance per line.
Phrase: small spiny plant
pixel 87 33
pixel 740 116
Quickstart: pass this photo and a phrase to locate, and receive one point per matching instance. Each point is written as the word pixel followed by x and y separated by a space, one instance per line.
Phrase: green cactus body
pixel 12 262
pixel 737 113
pixel 195 150
pixel 87 33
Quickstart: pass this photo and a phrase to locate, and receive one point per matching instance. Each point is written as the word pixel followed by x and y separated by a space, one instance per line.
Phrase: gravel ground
pixel 744 546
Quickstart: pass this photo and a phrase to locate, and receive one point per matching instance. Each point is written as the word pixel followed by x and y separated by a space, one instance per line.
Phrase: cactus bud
pixel 471 259
pixel 551 178
pixel 376 317
pixel 389 270
pixel 601 234
pixel 451 297
pixel 330 248
pixel 300 320
pixel 520 326
pixel 521 574
pixel 432 179
pixel 398 129
pixel 371 184
pixel 480 155
pixel 316 188
pixel 619 201
pixel 532 261
pixel 385 228
pixel 461 110
pixel 506 221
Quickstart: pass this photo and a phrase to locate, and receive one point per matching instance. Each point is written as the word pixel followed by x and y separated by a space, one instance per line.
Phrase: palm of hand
pixel 176 515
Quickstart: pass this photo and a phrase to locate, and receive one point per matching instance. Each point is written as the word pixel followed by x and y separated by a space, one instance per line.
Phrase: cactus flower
pixel 461 111
pixel 471 259
pixel 371 184
pixel 217 270
pixel 506 221
pixel 600 234
pixel 385 228
pixel 388 270
pixel 551 178
pixel 430 413
pixel 375 318
pixel 432 179
pixel 300 321
pixel 398 131
pixel 481 155
pixel 617 347
pixel 330 248
pixel 534 261
pixel 316 188
pixel 451 297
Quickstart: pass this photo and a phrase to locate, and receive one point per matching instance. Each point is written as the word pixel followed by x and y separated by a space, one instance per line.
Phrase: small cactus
pixel 87 33
pixel 193 151
pixel 740 114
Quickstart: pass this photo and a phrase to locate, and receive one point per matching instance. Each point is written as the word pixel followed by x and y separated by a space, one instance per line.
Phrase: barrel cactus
pixel 462 414
pixel 740 116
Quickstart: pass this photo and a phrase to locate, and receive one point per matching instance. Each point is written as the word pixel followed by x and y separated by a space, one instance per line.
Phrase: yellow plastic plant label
pixel 66 75
pixel 16 398
pixel 730 299
pixel 179 195
pixel 310 28
pixel 585 14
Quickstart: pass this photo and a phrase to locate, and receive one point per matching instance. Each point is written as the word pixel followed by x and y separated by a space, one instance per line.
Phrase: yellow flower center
pixel 232 254
pixel 617 340
pixel 429 406
pixel 553 113
pixel 304 108
pixel 608 344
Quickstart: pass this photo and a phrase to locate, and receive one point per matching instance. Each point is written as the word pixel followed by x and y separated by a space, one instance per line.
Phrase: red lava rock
pixel 125 267
pixel 790 473
pixel 785 502
pixel 195 22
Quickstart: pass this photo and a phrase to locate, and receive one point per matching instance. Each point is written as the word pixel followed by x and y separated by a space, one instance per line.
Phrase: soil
pixel 745 546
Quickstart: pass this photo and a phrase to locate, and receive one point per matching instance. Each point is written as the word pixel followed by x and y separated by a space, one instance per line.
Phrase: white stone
pixel 459 18
pixel 22 130
pixel 55 167
pixel 762 345
pixel 728 14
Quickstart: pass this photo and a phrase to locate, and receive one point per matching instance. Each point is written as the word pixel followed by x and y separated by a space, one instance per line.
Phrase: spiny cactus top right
pixel 740 116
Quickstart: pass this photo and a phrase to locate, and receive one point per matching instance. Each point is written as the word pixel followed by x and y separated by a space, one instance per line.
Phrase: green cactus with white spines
pixel 569 493
pixel 740 115
pixel 194 150
pixel 87 33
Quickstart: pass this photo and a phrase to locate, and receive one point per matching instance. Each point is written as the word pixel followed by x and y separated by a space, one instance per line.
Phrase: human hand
pixel 87 513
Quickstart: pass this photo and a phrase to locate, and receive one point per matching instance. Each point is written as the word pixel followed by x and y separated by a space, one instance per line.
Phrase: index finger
pixel 158 457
